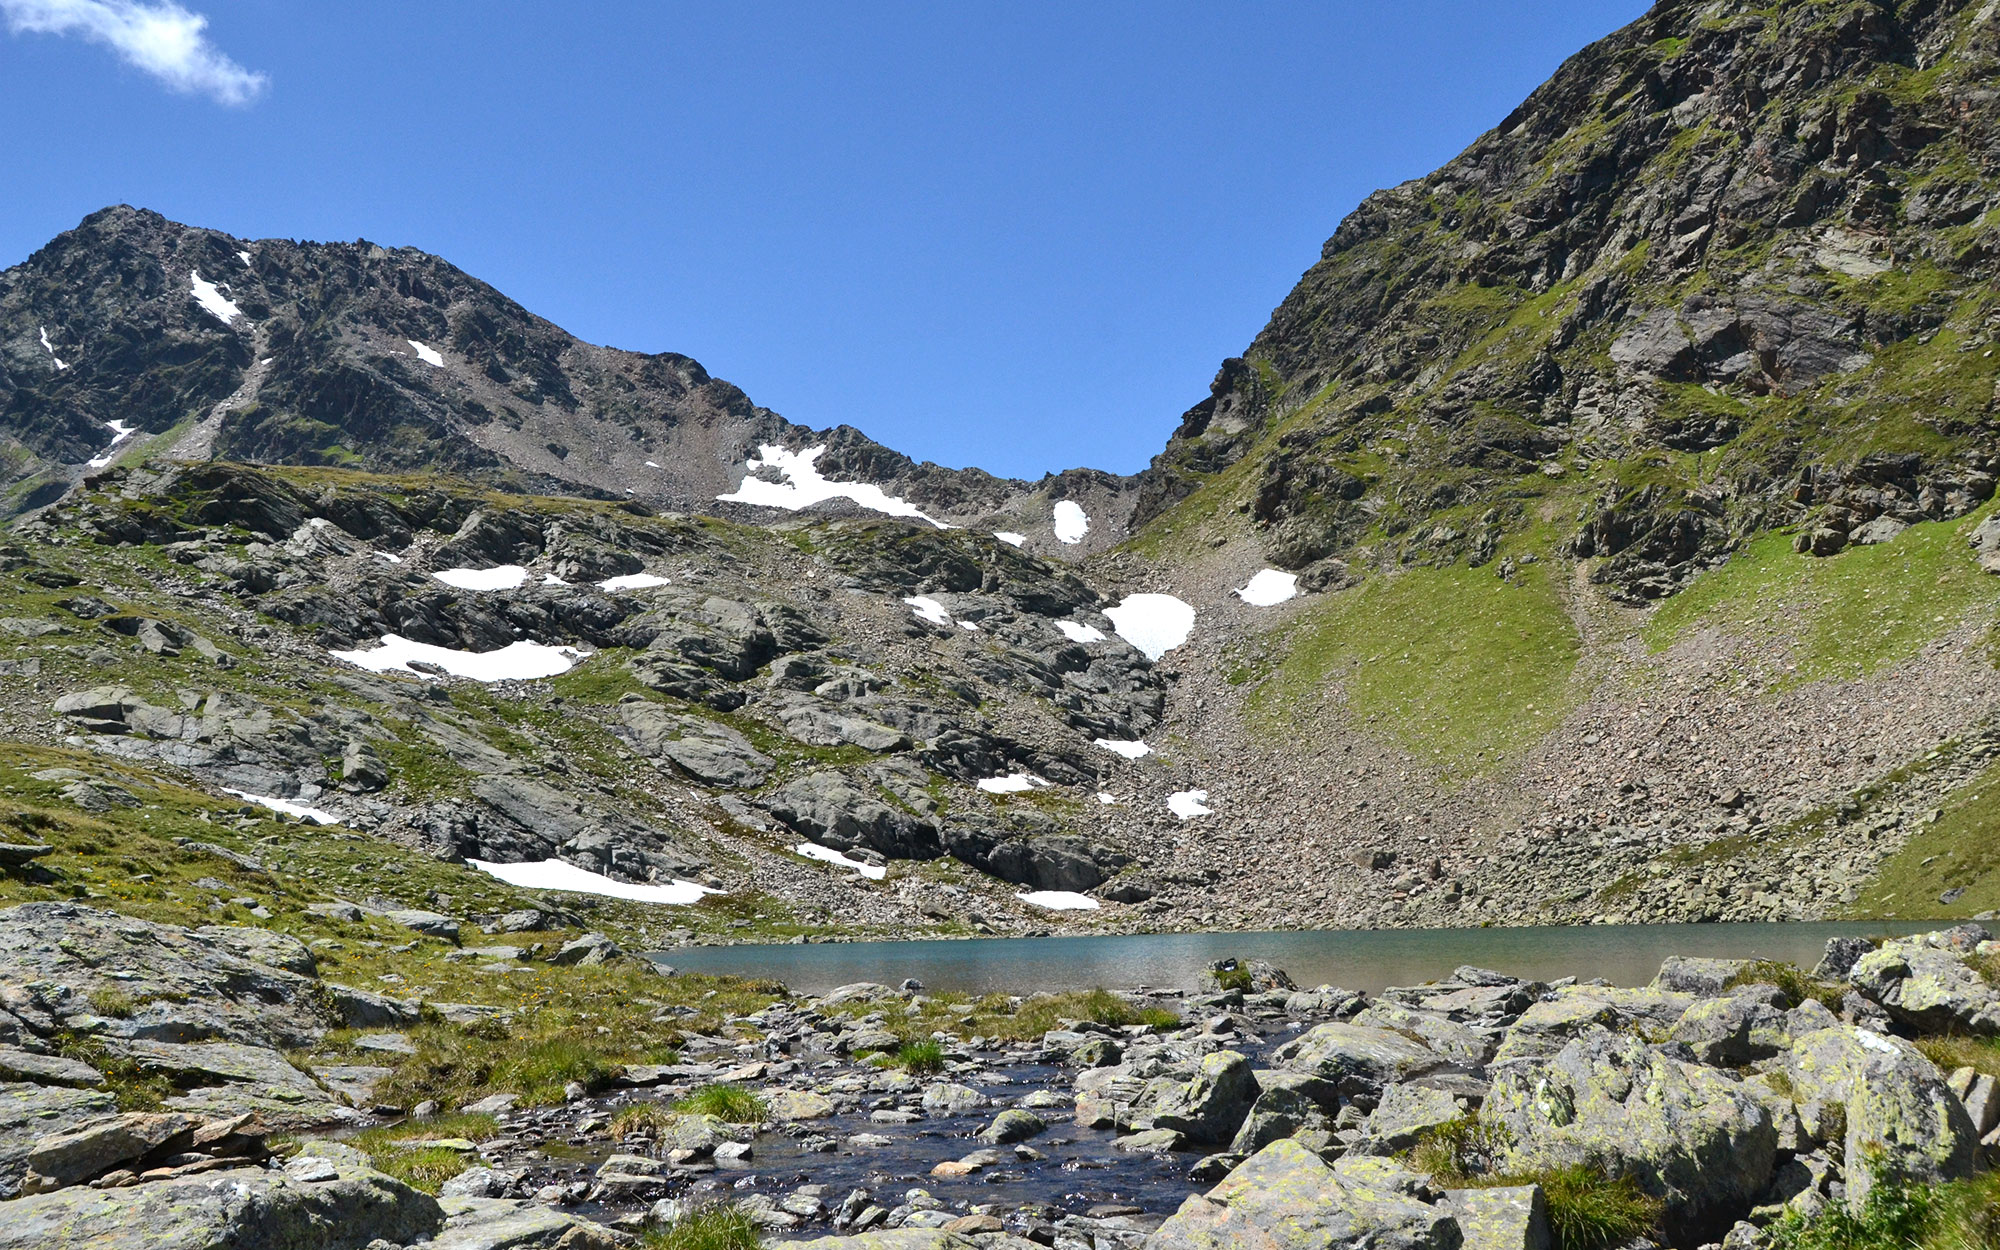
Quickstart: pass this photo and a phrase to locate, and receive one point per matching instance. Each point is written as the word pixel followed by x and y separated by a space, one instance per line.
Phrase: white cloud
pixel 161 38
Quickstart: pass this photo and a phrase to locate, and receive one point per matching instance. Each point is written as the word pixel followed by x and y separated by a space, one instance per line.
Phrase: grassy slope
pixel 1455 664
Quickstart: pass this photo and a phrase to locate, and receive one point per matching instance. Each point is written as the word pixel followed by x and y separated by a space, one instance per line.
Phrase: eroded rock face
pixel 1687 1133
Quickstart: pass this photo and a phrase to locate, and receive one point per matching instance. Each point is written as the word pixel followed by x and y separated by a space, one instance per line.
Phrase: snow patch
pixel 500 577
pixel 554 874
pixel 928 608
pixel 51 347
pixel 1006 536
pixel 517 661
pixel 386 558
pixel 211 299
pixel 1109 800
pixel 1071 523
pixel 244 257
pixel 826 854
pixel 1875 1042
pixel 1155 624
pixel 1188 804
pixel 1059 900
pixel 428 355
pixel 633 581
pixel 119 433
pixel 1270 587
pixel 1132 750
pixel 1077 631
pixel 652 464
pixel 804 486
pixel 1013 783
pixel 289 808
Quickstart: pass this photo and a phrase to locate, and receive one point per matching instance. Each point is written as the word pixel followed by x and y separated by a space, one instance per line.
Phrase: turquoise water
pixel 1355 959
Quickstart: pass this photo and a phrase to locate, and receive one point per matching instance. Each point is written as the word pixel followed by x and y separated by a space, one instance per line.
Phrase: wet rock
pixel 1209 1106
pixel 1013 1125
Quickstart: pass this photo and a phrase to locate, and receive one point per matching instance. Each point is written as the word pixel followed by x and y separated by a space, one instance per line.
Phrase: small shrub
pixel 721 1227
pixel 732 1103
pixel 1237 978
pixel 922 1058
pixel 1589 1210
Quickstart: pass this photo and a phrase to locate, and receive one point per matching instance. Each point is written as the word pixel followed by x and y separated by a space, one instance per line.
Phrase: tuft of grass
pixel 923 1058
pixel 115 1004
pixel 1903 1215
pixel 1956 1051
pixel 1455 664
pixel 645 1119
pixel 399 1149
pixel 731 1103
pixel 1237 978
pixel 1043 1012
pixel 1797 985
pixel 1588 1208
pixel 720 1227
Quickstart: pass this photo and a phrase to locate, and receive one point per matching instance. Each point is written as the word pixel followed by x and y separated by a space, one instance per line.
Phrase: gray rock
pixel 1502 1218
pixel 945 1098
pixel 1547 1027
pixel 1732 1032
pixel 1277 1114
pixel 1682 974
pixel 1209 1106
pixel 476 1222
pixel 46 1069
pixel 587 951
pixel 66 1158
pixel 706 750
pixel 30 1113
pixel 1894 1106
pixel 1928 986
pixel 241 1208
pixel 428 923
pixel 1287 1198
pixel 1405 1113
pixel 1357 1059
pixel 1012 1125
pixel 1688 1134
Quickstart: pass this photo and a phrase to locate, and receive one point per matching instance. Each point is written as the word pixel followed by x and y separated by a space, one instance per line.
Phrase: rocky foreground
pixel 168 1087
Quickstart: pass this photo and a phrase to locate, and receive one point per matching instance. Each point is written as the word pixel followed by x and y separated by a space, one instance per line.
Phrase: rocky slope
pixel 1636 471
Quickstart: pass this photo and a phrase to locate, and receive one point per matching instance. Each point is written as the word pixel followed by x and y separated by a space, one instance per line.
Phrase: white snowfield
pixel 1132 750
pixel 1006 536
pixel 499 577
pixel 1077 631
pixel 1188 804
pixel 429 355
pixel 804 486
pixel 826 854
pixel 554 874
pixel 119 433
pixel 517 661
pixel 1269 588
pixel 1071 522
pixel 633 581
pixel 289 808
pixel 244 257
pixel 1013 783
pixel 1155 624
pixel 928 608
pixel 51 347
pixel 1059 900
pixel 218 306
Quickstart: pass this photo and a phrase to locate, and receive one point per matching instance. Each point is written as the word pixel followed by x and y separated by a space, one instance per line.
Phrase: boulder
pixel 588 951
pixel 1682 974
pixel 474 1222
pixel 1732 1032
pixel 1405 1114
pixel 1355 1058
pixel 1209 1106
pixel 1895 1106
pixel 1547 1027
pixel 946 1098
pixel 30 1114
pixel 1928 987
pixel 1513 1217
pixel 241 1208
pixel 1012 1125
pixel 1285 1197
pixel 66 1158
pixel 1277 1114
pixel 706 750
pixel 1687 1134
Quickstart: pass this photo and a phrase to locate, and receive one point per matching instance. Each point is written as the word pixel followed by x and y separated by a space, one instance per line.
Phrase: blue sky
pixel 1020 236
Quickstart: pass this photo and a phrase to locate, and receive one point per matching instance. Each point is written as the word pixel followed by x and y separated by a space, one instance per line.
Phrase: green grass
pixel 731 1103
pixel 1796 984
pixel 1588 1209
pixel 398 1149
pixel 1961 851
pixel 923 1058
pixel 1455 664
pixel 719 1227
pixel 1903 1215
pixel 1234 979
pixel 1953 1052
pixel 1844 616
